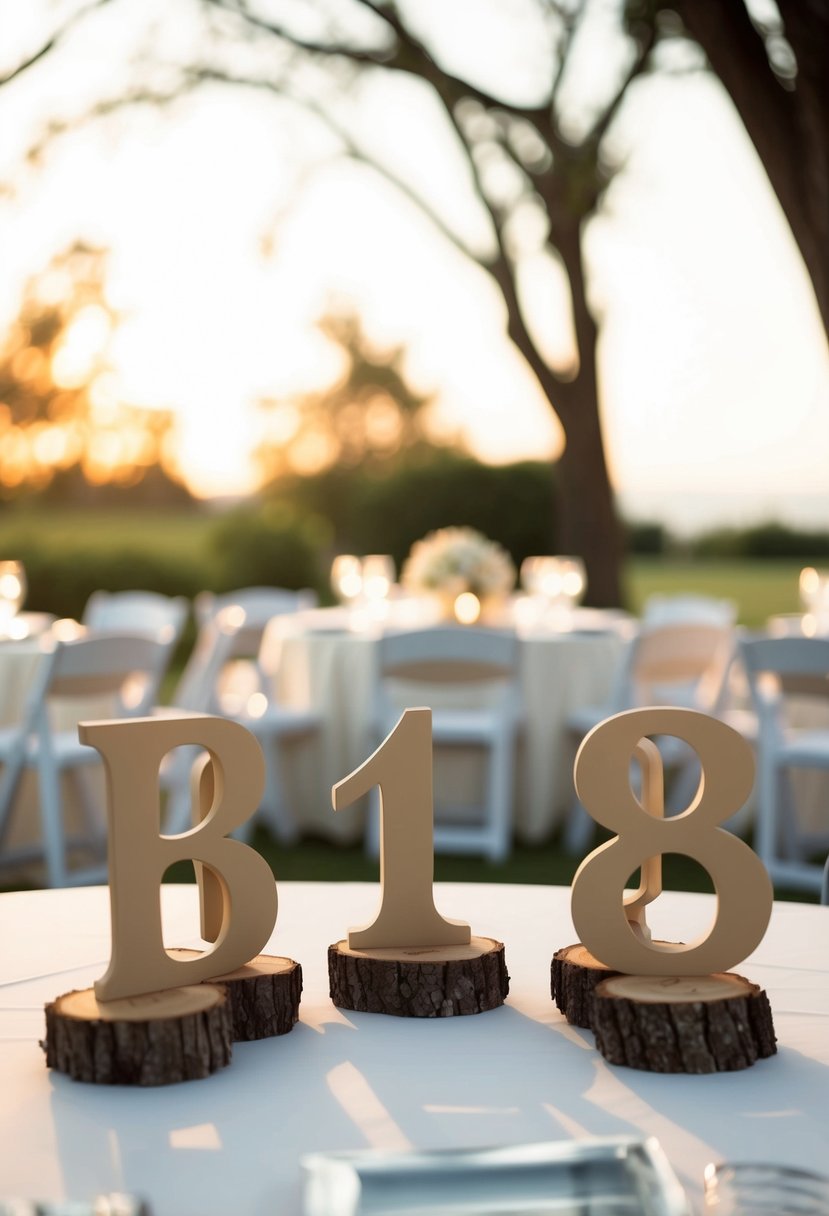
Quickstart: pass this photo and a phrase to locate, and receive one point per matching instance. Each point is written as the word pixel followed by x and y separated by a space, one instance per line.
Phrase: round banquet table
pixel 319 663
pixel 345 1081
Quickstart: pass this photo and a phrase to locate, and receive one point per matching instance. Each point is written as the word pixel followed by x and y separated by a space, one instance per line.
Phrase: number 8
pixel 744 890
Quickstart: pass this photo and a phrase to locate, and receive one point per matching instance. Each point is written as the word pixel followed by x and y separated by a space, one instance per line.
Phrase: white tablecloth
pixel 231 1143
pixel 333 671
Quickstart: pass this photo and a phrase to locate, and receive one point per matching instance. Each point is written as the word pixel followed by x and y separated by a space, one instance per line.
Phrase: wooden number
pixel 402 768
pixel 132 751
pixel 744 891
pixel 653 801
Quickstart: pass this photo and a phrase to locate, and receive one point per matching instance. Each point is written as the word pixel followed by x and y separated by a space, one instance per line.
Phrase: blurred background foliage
pixel 65 431
pixel 90 494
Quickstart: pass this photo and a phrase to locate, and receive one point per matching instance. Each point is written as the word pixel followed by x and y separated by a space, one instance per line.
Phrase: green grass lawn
pixel 541 864
pixel 759 588
pixel 546 863
pixel 168 532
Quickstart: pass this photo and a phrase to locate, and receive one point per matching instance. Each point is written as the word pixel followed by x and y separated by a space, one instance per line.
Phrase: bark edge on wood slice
pixel 182 1034
pixel 574 974
pixel 264 995
pixel 683 1024
pixel 419 982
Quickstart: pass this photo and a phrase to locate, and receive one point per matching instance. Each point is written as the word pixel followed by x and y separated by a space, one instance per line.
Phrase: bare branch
pixel 570 22
pixel 101 109
pixel 329 50
pixel 414 57
pixel 641 61
pixel 497 266
pixel 350 147
pixel 52 41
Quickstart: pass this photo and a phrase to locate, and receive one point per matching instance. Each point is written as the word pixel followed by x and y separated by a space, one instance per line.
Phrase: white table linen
pixel 332 670
pixel 342 1080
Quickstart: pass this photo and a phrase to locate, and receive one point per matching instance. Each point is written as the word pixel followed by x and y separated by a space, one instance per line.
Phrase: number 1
pixel 402 768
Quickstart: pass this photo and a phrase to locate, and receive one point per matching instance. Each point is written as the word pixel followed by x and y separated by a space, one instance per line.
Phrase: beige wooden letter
pixel 744 891
pixel 211 891
pixel 402 768
pixel 132 751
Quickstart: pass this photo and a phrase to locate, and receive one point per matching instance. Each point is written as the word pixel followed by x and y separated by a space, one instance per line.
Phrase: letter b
pixel 132 752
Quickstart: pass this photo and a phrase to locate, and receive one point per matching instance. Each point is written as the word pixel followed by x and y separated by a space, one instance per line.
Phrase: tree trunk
pixel 587 525
pixel 789 127
pixel 586 520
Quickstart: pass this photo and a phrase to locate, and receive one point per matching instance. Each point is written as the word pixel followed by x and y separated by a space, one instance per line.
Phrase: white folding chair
pixel 225 676
pixel 258 603
pixel 788 678
pixel 465 663
pixel 125 670
pixel 688 609
pixel 136 612
pixel 685 665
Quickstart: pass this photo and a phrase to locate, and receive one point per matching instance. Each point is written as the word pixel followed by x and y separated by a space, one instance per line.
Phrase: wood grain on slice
pixel 264 994
pixel 419 982
pixel 690 1024
pixel 182 1034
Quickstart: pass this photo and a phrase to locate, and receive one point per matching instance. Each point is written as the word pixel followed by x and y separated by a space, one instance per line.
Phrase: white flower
pixel 453 560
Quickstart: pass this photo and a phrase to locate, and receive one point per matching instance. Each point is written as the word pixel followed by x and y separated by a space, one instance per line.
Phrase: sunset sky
pixel 713 363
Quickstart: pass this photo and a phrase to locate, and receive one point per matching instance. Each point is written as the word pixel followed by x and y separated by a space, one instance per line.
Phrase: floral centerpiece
pixel 452 561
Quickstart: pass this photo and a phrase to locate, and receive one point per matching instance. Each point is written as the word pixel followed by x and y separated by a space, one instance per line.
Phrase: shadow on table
pixel 358 1081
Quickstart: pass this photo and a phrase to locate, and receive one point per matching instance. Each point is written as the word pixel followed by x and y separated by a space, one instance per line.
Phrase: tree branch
pixel 644 47
pixel 570 22
pixel 350 146
pixel 330 50
pixel 774 116
pixel 415 58
pixel 53 41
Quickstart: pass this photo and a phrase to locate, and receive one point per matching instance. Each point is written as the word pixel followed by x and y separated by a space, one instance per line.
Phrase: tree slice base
pixel 425 982
pixel 574 974
pixel 183 1034
pixel 264 995
pixel 690 1024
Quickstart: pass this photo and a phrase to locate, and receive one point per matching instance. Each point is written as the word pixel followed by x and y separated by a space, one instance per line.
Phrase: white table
pixel 332 670
pixel 231 1143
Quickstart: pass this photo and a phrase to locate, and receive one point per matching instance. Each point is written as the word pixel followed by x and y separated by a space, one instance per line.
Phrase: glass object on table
pixel 377 576
pixel 614 1176
pixel 814 599
pixel 378 579
pixel 746 1189
pixel 563 581
pixel 554 585
pixel 530 575
pixel 346 578
pixel 12 594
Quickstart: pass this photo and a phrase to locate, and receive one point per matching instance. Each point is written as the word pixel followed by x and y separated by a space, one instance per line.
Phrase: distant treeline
pixel 764 540
pixel 289 536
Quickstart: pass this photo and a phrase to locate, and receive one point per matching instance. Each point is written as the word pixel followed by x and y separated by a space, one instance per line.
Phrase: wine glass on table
pixel 12 593
pixel 378 579
pixel 346 578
